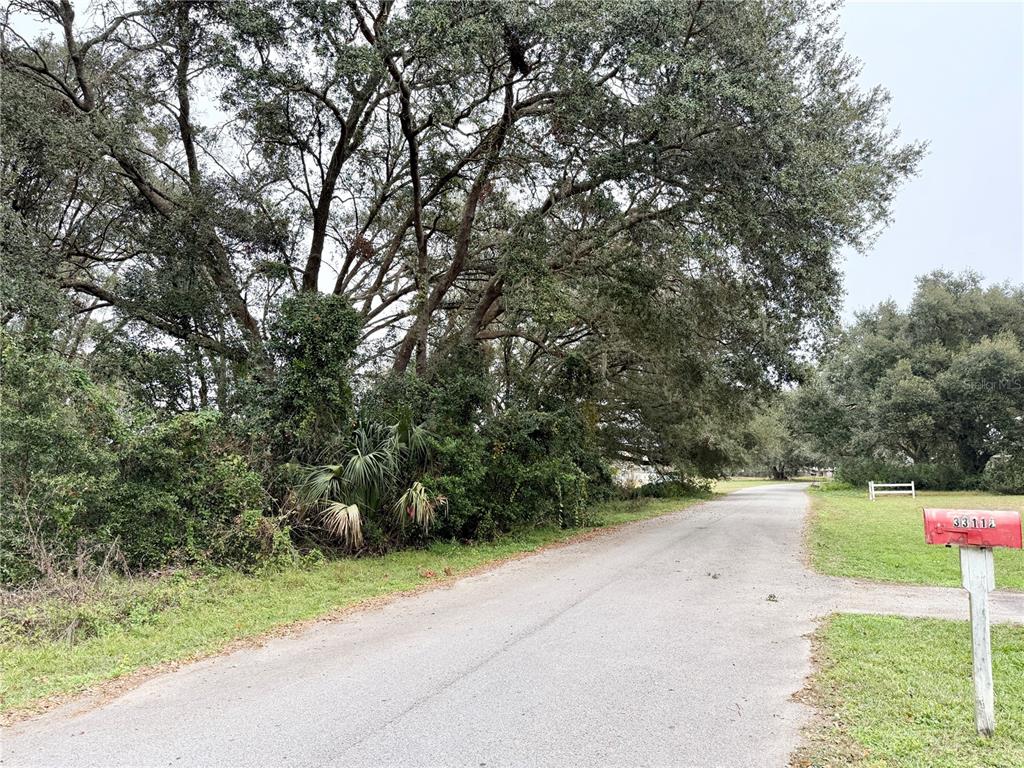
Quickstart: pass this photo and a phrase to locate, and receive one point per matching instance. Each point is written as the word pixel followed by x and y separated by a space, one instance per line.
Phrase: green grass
pixel 898 692
pixel 199 615
pixel 884 539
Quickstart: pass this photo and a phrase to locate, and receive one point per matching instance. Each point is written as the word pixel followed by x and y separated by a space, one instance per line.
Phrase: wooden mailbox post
pixel 976 532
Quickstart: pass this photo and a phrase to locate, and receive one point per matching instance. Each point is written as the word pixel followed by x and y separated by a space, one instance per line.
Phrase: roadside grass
pixel 894 692
pixel 851 536
pixel 136 624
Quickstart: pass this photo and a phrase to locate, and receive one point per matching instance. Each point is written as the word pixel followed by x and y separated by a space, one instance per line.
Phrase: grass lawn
pixel 884 539
pixel 193 615
pixel 898 692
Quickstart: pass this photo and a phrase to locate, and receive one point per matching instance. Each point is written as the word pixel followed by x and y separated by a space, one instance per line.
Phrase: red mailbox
pixel 972 527
pixel 976 531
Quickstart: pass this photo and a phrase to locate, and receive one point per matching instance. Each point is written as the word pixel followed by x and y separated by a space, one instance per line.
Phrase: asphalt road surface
pixel 678 641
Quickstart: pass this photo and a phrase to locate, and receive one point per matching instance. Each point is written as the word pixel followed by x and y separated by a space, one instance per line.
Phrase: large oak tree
pixel 646 196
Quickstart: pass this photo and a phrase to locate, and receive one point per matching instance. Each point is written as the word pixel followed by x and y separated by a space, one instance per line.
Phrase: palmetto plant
pixel 344 522
pixel 419 506
pixel 411 440
pixel 367 477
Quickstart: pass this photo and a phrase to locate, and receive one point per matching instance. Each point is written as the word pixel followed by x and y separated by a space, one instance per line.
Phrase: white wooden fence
pixel 896 488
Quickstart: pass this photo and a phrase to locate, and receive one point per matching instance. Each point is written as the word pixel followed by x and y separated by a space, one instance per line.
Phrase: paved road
pixel 657 644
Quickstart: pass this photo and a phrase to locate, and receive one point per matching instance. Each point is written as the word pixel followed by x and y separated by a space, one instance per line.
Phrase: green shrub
pixel 85 470
pixel 458 472
pixel 186 495
pixel 531 493
pixel 308 403
pixel 498 470
pixel 252 539
pixel 829 486
pixel 1005 474
pixel 935 477
pixel 531 475
pixel 942 477
pixel 57 430
pixel 674 488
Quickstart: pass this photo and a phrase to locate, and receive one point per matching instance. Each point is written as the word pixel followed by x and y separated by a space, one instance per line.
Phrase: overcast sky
pixel 956 75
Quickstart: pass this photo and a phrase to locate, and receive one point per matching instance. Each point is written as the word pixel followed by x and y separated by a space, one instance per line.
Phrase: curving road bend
pixel 678 641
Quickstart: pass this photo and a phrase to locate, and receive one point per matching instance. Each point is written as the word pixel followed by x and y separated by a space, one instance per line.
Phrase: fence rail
pixel 900 488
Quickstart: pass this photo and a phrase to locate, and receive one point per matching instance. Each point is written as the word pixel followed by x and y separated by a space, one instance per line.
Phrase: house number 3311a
pixel 974 522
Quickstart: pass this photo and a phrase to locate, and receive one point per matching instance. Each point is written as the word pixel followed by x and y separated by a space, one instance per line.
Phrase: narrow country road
pixel 674 642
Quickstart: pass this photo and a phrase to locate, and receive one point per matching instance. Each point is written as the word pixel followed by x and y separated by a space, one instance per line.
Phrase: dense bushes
pixel 531 472
pixel 57 429
pixel 184 494
pixel 504 479
pixel 93 476
pixel 935 477
pixel 308 403
pixel 674 487
pixel 498 469
pixel 1005 474
pixel 89 476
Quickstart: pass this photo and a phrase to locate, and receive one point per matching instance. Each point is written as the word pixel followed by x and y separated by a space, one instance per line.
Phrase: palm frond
pixel 417 505
pixel 418 444
pixel 343 521
pixel 371 465
pixel 322 483
pixel 413 440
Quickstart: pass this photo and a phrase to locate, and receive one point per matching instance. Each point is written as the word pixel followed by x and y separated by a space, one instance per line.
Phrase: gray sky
pixel 956 75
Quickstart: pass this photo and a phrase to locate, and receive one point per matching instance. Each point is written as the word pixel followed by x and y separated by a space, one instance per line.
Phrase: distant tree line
pixel 933 393
pixel 354 274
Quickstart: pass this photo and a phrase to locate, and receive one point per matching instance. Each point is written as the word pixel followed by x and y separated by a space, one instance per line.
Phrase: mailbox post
pixel 976 532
